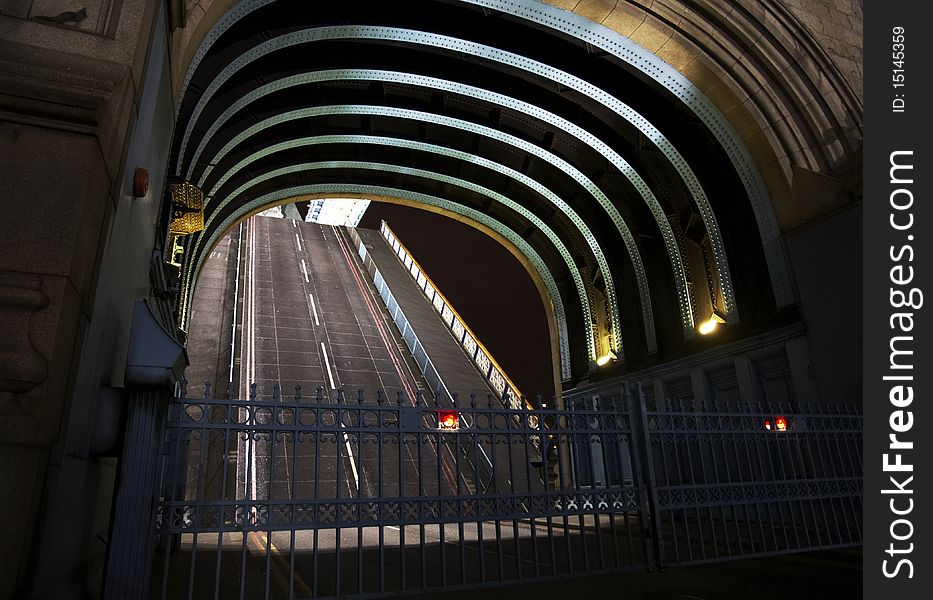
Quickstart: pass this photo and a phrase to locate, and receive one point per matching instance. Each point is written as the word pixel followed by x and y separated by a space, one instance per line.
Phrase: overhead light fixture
pixel 710 325
pixel 605 358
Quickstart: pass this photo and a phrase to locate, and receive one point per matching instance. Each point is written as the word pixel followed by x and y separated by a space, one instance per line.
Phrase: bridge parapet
pixel 483 360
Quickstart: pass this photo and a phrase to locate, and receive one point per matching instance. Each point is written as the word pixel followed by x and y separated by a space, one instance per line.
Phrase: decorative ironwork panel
pixel 270 491
pixel 736 479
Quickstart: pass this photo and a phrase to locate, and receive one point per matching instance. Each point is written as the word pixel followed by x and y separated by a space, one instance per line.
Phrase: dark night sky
pixel 490 289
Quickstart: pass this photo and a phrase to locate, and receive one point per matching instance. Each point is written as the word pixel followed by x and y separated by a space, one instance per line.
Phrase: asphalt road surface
pixel 310 314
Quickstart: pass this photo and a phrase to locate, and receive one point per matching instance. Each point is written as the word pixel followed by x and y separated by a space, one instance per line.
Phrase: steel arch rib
pixel 680 280
pixel 523 246
pixel 511 59
pixel 560 164
pixel 537 222
pixel 631 53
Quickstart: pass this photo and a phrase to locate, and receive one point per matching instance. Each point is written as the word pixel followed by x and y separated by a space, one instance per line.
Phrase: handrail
pixel 481 357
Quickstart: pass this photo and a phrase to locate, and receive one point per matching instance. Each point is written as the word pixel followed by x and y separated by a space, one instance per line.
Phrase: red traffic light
pixel 777 423
pixel 448 420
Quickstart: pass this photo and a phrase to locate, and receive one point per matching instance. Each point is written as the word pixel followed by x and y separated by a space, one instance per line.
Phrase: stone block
pixel 624 19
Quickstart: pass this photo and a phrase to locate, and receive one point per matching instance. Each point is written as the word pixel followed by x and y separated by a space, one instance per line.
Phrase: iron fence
pixel 330 496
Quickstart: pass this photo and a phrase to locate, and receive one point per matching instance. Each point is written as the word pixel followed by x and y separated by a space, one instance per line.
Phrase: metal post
pixel 642 444
pixel 131 542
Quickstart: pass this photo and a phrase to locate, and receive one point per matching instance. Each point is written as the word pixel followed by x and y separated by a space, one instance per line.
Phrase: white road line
pixel 314 310
pixel 330 375
pixel 304 269
pixel 356 473
pixel 293 222
pixel 298 242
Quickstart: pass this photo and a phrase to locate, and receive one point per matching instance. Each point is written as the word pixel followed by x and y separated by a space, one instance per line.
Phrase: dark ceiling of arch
pixel 695 143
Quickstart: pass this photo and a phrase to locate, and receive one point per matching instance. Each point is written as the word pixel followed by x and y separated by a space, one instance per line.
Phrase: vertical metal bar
pixel 665 478
pixel 199 496
pixel 223 495
pixel 292 508
pixel 783 440
pixel 516 536
pixel 315 575
pixel 338 557
pixel 693 481
pixel 422 440
pixel 359 493
pixel 250 435
pixel 476 441
pixel 526 432
pixel 401 493
pixel 609 440
pixel 270 467
pixel 643 442
pixel 732 477
pixel 459 497
pixel 497 489
pixel 564 441
pixel 704 440
pixel 439 454
pixel 773 477
pixel 789 504
pixel 543 420
pixel 597 515
pixel 751 467
pixel 638 483
pixel 583 436
pixel 723 454
pixel 380 456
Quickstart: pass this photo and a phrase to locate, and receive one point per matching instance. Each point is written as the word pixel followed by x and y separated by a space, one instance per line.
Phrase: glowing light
pixel 605 358
pixel 448 420
pixel 777 424
pixel 709 326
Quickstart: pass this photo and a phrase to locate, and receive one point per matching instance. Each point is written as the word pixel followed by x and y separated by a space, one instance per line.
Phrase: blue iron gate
pixel 323 497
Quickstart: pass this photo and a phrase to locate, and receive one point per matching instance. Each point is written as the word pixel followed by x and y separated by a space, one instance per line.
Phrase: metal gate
pixel 323 497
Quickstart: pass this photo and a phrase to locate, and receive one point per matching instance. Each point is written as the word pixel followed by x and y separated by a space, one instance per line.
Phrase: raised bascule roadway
pixel 310 326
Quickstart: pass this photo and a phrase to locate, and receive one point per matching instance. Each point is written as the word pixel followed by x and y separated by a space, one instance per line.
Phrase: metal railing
pixel 431 375
pixel 299 498
pixel 493 374
pixel 734 480
pixel 311 497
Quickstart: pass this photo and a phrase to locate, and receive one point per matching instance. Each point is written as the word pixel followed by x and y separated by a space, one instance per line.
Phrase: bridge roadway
pixel 308 314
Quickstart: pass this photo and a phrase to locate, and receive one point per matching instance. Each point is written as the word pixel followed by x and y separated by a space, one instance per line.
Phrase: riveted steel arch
pixel 537 222
pixel 423 147
pixel 667 234
pixel 603 38
pixel 513 60
pixel 568 169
